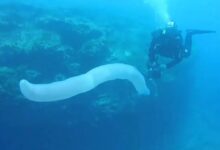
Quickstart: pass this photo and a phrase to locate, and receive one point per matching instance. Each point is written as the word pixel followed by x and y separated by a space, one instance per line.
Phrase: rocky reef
pixel 46 45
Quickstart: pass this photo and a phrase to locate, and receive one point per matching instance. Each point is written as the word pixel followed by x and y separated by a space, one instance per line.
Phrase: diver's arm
pixel 153 46
pixel 152 52
pixel 173 62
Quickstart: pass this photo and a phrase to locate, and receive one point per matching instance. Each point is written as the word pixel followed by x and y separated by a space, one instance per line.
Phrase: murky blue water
pixel 45 41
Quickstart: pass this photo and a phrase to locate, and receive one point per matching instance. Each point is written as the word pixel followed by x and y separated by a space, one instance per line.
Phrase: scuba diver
pixel 168 43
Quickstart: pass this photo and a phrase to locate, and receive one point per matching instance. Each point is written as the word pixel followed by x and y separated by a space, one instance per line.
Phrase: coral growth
pixel 47 45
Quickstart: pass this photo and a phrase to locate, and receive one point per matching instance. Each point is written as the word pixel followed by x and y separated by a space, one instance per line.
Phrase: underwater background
pixel 45 41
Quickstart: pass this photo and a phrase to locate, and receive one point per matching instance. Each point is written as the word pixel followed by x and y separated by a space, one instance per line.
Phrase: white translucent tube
pixel 82 83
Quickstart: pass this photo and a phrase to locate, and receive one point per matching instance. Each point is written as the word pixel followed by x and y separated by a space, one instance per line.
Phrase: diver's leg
pixel 188 39
pixel 195 31
pixel 188 44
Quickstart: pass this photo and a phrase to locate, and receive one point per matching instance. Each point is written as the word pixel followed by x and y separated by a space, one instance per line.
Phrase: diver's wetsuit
pixel 168 43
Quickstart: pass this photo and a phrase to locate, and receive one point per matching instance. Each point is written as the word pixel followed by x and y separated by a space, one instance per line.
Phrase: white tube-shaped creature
pixel 70 87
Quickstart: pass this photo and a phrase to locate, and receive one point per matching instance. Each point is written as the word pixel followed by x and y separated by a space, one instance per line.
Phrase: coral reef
pixel 47 45
pixel 26 40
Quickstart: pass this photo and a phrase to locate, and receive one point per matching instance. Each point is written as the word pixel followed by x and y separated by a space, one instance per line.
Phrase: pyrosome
pixel 73 86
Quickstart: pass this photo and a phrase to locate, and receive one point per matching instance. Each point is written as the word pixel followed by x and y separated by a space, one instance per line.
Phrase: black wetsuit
pixel 169 43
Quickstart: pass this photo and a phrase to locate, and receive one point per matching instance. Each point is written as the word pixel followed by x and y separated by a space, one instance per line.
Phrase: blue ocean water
pixel 45 41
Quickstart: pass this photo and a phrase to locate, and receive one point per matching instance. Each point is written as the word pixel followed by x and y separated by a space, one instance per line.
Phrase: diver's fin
pixel 195 31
